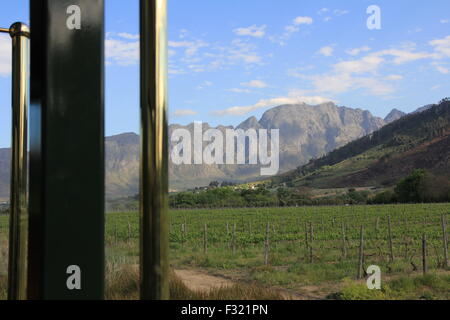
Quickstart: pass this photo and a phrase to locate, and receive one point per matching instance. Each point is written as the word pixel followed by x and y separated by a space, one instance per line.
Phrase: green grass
pixel 429 287
pixel 289 256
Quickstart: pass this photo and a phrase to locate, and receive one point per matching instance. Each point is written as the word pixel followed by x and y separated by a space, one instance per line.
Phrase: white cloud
pixel 5 55
pixel 394 77
pixel 240 90
pixel 322 11
pixel 303 20
pixel 175 71
pixel 369 63
pixel 441 47
pixel 244 52
pixel 294 27
pixel 364 73
pixel 184 113
pixel 204 85
pixel 128 36
pixel 339 12
pixel 341 83
pixel 292 98
pixel 216 57
pixel 357 51
pixel 252 31
pixel 255 84
pixel 120 52
pixel 326 51
pixel 191 47
pixel 402 56
pixel 440 68
pixel 445 21
pixel 436 87
pixel 183 33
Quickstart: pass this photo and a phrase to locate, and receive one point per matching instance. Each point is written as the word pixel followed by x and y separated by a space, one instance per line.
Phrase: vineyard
pixel 304 245
pixel 293 247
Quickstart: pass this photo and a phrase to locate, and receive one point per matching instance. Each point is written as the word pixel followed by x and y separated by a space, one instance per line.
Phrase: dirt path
pixel 201 281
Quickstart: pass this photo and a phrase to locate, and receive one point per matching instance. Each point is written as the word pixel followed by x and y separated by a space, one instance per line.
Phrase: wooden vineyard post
pixel 361 253
pixel 129 232
pixel 311 238
pixel 391 250
pixel 267 245
pixel 445 240
pixel 344 246
pixel 205 239
pixel 182 234
pixel 424 254
pixel 234 239
pixel 306 240
pixel 116 236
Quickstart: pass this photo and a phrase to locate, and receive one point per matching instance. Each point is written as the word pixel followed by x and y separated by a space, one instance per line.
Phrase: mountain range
pixel 306 132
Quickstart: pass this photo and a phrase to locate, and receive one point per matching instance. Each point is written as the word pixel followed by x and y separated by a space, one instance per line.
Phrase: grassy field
pixel 311 252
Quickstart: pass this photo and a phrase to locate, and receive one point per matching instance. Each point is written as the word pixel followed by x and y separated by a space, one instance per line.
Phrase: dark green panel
pixel 66 148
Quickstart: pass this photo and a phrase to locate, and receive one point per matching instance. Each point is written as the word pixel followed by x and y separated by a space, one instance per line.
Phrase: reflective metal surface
pixel 154 152
pixel 17 271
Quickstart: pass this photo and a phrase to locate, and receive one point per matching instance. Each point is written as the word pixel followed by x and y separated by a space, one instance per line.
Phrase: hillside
pixel 420 140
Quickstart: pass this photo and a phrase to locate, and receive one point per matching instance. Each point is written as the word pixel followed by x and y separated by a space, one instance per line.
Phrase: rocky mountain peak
pixel 394 115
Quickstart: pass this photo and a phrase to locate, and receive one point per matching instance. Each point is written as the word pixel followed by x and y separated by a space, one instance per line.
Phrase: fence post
pixel 424 254
pixel 205 239
pixel 267 245
pixel 391 250
pixel 18 217
pixel 154 162
pixel 182 234
pixel 129 232
pixel 234 239
pixel 306 241
pixel 344 245
pixel 311 238
pixel 361 253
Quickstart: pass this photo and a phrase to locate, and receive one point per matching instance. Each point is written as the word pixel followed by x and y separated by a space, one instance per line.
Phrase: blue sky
pixel 233 59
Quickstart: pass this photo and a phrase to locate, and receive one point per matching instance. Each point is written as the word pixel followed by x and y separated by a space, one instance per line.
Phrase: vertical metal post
pixel 66 225
pixel 17 276
pixel 154 151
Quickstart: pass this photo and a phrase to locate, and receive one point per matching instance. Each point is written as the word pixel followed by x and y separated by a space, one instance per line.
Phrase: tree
pixel 214 184
pixel 413 187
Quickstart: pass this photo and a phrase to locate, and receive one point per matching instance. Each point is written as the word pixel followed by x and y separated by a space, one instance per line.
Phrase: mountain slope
pixel 418 140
